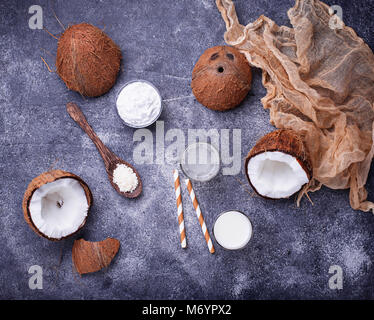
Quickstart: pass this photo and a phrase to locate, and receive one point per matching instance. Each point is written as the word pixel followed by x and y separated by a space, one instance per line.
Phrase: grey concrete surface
pixel 292 248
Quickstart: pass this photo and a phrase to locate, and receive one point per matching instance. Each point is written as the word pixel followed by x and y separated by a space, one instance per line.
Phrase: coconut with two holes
pixel 278 166
pixel 221 78
pixel 56 204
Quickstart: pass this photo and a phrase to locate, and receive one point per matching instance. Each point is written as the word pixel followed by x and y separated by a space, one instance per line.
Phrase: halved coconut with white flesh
pixel 278 165
pixel 56 204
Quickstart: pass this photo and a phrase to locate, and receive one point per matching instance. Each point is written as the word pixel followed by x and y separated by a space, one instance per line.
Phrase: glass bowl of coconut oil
pixel 139 103
pixel 200 161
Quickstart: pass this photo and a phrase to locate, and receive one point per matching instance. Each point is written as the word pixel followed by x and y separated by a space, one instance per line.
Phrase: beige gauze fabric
pixel 320 82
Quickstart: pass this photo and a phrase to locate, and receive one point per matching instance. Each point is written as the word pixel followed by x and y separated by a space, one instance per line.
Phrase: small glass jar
pixel 151 120
pixel 232 230
pixel 200 161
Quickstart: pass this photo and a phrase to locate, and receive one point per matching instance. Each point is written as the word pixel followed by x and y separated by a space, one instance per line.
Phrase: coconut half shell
pixel 93 256
pixel 286 143
pixel 44 178
pixel 221 78
pixel 87 60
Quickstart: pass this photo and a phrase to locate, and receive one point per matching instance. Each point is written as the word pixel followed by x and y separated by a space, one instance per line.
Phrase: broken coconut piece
pixel 221 78
pixel 278 165
pixel 93 256
pixel 87 60
pixel 56 204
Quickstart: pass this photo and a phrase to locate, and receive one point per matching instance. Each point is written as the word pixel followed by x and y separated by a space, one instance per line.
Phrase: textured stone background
pixel 291 250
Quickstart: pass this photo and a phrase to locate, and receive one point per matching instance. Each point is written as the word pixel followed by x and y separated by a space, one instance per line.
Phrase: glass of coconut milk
pixel 200 161
pixel 232 230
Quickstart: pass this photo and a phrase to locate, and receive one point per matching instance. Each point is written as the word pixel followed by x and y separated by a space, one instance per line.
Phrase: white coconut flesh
pixel 276 174
pixel 58 208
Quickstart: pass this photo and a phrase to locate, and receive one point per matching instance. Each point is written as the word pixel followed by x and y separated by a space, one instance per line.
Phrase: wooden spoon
pixel 110 159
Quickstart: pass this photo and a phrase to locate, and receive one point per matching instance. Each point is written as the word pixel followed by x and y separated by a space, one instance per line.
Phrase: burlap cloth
pixel 320 82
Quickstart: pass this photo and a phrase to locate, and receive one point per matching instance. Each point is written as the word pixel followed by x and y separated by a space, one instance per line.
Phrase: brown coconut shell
pixel 286 141
pixel 87 60
pixel 47 177
pixel 93 256
pixel 221 78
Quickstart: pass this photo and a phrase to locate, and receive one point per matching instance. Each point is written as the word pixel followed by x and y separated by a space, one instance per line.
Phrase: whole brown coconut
pixel 221 78
pixel 46 178
pixel 87 60
pixel 281 155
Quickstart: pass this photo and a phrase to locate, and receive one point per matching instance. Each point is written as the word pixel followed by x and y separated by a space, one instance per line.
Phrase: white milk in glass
pixel 232 230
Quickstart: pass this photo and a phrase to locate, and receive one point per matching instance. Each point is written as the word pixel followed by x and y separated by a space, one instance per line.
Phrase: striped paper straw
pixel 178 196
pixel 199 216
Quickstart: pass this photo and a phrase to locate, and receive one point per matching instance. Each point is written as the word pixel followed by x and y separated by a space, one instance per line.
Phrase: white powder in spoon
pixel 125 178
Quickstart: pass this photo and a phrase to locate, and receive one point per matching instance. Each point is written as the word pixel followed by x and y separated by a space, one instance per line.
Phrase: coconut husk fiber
pixel 320 83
